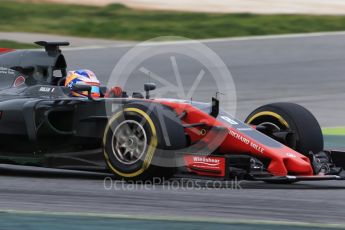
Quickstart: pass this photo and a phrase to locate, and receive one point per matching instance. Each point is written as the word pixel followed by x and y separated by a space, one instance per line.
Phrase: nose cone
pixel 291 164
pixel 298 166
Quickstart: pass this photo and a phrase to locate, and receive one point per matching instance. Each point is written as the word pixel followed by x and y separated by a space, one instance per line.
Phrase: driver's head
pixel 83 76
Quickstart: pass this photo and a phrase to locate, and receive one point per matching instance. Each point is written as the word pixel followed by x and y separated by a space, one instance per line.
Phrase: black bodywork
pixel 40 123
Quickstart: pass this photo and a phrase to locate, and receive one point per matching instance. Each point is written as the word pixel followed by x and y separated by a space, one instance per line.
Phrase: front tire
pixel 290 117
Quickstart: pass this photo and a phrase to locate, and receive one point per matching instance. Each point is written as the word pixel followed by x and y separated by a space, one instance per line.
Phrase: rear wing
pixel 52 47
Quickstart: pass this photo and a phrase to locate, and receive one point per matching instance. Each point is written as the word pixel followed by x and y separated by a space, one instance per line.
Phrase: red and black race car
pixel 140 138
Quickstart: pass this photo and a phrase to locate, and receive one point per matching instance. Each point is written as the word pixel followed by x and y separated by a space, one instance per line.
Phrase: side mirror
pixel 215 107
pixel 149 87
pixel 81 88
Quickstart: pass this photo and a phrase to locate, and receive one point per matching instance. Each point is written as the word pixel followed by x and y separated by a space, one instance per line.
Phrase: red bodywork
pixel 283 160
pixel 5 50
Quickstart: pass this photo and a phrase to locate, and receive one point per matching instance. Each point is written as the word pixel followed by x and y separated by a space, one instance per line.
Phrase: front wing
pixel 240 167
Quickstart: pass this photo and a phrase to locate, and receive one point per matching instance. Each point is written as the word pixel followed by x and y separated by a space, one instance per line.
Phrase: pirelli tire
pixel 292 118
pixel 141 140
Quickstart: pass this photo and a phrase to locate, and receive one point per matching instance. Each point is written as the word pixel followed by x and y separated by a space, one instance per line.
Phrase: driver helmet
pixel 83 76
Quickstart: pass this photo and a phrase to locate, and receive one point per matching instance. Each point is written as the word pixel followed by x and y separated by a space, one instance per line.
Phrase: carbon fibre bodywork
pixel 38 116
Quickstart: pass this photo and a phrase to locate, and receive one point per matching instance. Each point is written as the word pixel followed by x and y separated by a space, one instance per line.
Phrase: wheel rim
pixel 272 126
pixel 129 142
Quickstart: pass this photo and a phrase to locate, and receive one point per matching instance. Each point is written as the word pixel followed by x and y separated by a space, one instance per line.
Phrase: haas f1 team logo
pixel 206 165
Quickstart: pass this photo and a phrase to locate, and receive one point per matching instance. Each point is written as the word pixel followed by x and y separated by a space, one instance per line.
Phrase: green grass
pixel 15 45
pixel 334 137
pixel 118 22
pixel 337 131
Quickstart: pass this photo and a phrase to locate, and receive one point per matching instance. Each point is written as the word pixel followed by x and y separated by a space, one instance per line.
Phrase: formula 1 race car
pixel 140 138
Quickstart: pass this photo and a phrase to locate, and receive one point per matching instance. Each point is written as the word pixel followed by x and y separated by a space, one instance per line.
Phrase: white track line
pixel 212 40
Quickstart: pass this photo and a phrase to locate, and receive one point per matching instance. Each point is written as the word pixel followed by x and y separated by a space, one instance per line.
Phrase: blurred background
pixel 145 19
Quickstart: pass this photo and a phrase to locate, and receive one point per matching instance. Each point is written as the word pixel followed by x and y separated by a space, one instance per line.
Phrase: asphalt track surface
pixel 306 70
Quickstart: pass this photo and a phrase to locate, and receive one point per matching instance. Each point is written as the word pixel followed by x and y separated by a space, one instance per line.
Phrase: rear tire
pixel 134 146
pixel 295 118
